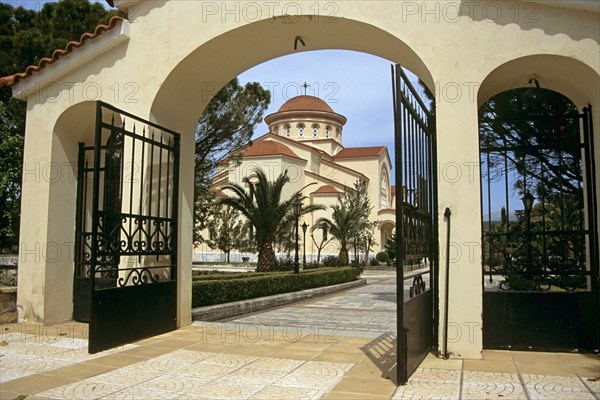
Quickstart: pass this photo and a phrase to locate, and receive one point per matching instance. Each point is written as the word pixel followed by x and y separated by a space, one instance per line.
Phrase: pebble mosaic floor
pixel 280 354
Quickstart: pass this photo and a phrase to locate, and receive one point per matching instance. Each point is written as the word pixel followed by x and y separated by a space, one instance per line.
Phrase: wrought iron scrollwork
pixel 127 202
pixel 418 286
pixel 138 276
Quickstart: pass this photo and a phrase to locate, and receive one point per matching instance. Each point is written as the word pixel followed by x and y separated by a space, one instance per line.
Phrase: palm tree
pixel 266 211
pixel 341 226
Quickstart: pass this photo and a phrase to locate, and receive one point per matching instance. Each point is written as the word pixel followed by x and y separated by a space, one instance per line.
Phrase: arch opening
pixel 536 199
pixel 198 77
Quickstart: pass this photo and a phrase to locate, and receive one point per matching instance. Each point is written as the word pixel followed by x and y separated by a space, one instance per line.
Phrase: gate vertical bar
pixel 95 204
pixel 175 206
pixel 79 228
pixel 398 160
pixel 79 210
pixel 592 201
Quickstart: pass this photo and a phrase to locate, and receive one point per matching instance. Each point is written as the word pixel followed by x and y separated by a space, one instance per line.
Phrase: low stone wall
pixel 227 310
pixel 8 304
pixel 8 288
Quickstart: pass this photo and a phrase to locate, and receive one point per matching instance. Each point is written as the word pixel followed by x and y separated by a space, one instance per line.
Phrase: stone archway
pixel 176 54
pixel 386 229
pixel 533 277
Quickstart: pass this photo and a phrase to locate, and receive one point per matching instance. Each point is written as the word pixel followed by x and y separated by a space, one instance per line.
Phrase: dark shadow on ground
pixel 382 352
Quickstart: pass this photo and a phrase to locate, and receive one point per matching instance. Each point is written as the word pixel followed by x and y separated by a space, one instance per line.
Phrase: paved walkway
pixel 271 355
pixel 367 311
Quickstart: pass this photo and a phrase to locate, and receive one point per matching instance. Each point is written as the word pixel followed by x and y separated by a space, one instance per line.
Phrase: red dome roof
pixel 305 103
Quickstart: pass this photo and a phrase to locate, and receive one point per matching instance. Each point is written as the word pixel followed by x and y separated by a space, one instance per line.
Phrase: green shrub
pixel 522 283
pixel 228 275
pixel 357 265
pixel 373 261
pixel 207 292
pixel 331 261
pixel 382 256
pixel 286 264
pixel 311 265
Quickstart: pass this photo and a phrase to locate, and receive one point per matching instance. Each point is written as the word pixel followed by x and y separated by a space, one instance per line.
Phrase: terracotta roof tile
pixel 325 157
pixel 59 53
pixel 305 103
pixel 393 187
pixel 358 152
pixel 326 189
pixel 269 148
pixel 325 179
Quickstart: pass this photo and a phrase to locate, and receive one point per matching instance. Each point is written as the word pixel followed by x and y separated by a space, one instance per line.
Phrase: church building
pixel 306 138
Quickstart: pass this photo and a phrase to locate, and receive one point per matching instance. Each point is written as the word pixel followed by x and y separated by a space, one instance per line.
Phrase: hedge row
pixel 209 292
pixel 229 275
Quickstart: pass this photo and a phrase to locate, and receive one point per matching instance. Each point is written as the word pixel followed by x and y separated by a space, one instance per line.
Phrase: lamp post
pixel 304 227
pixel 528 200
pixel 297 204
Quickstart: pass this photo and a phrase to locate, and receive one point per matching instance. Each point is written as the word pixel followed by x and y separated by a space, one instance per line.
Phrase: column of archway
pixel 459 190
pixel 46 252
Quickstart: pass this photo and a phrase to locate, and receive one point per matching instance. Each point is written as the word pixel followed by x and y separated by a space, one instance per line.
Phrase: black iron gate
pixel 540 255
pixel 126 237
pixel 416 222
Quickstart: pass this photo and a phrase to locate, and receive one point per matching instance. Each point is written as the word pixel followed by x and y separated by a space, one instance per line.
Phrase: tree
pixel 362 230
pixel 11 165
pixel 25 37
pixel 325 239
pixel 285 241
pixel 227 231
pixel 540 129
pixel 531 138
pixel 390 245
pixel 341 226
pixel 266 211
pixel 226 126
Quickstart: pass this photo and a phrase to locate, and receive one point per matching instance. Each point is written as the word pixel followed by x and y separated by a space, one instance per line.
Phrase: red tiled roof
pixel 269 148
pixel 393 187
pixel 325 157
pixel 326 179
pixel 358 152
pixel 305 103
pixel 326 189
pixel 59 53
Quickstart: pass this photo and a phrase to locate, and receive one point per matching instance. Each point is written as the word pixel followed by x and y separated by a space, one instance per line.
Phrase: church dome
pixel 308 118
pixel 305 103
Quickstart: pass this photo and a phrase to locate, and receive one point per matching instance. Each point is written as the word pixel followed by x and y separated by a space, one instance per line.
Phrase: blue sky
pixel 356 85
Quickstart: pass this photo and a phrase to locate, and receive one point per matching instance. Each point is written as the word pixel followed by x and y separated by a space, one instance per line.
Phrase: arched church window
pixel 300 130
pixel 315 131
pixel 287 130
pixel 384 190
pixel 328 132
pixel 276 129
